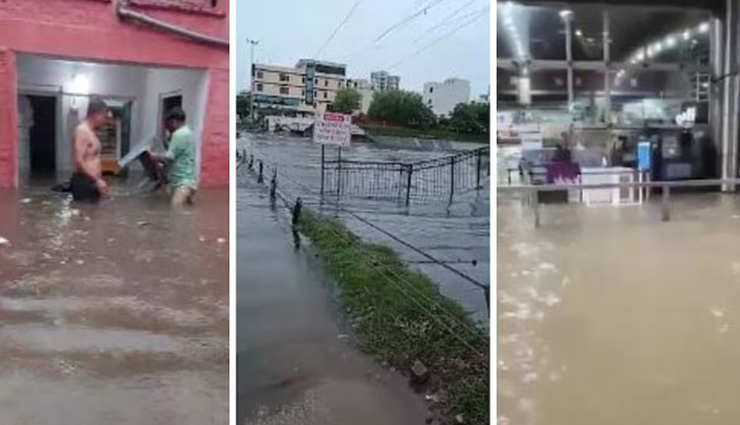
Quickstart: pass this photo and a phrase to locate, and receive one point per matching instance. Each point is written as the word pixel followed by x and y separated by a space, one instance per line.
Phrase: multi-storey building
pixel 443 97
pixel 381 80
pixel 303 90
pixel 365 88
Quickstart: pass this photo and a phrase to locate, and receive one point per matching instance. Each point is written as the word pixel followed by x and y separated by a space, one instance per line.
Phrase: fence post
pixel 273 184
pixel 537 222
pixel 666 214
pixel 260 177
pixel 409 170
pixel 323 167
pixel 479 154
pixel 452 177
pixel 339 172
pixel 297 211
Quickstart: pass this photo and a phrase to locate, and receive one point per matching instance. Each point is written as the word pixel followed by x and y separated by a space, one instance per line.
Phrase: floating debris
pixel 717 313
pixel 548 267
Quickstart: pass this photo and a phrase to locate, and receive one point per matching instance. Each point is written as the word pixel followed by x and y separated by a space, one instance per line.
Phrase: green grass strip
pixel 399 316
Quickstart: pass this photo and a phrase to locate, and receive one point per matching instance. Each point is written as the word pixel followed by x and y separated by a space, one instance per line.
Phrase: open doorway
pixel 168 101
pixel 42 136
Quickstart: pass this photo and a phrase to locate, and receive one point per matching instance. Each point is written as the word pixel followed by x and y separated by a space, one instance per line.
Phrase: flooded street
pixel 296 363
pixel 457 234
pixel 114 313
pixel 610 316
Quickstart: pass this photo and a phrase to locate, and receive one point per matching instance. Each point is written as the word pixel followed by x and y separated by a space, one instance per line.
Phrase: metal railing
pixel 727 185
pixel 437 179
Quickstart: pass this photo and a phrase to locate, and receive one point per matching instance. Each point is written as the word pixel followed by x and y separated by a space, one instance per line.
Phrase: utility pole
pixel 252 110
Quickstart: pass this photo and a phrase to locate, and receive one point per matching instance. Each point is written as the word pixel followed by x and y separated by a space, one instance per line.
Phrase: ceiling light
pixel 670 41
pixel 579 33
pixel 565 13
pixel 640 56
pixel 686 35
pixel 704 27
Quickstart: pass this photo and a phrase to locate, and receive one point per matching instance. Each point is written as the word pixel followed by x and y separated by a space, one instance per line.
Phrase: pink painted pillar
pixel 215 145
pixel 8 120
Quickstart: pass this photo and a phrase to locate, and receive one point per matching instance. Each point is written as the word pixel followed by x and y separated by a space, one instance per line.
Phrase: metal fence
pixel 437 179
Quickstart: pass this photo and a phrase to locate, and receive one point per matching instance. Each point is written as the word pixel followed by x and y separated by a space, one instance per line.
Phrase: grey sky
pixel 288 30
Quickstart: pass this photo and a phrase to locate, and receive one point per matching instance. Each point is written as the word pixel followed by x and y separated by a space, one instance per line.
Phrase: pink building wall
pixel 91 30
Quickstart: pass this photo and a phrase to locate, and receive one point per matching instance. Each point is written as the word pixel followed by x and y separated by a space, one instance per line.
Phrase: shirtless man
pixel 87 182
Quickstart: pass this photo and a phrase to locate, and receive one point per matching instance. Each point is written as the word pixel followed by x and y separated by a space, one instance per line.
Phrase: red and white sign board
pixel 331 128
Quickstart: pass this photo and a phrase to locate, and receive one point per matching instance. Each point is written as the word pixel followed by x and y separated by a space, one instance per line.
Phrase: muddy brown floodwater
pixel 115 313
pixel 609 316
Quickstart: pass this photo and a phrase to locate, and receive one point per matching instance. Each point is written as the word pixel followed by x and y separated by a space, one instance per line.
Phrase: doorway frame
pixel 161 112
pixel 57 92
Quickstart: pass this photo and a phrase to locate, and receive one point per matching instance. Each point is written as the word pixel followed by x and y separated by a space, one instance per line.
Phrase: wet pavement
pixel 296 362
pixel 114 313
pixel 457 234
pixel 610 316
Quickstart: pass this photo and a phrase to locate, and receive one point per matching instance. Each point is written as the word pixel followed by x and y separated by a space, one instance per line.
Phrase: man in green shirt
pixel 180 158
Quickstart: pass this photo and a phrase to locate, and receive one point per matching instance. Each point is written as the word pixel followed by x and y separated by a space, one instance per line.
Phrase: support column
pixel 607 73
pixel 729 87
pixel 716 57
pixel 569 56
pixel 8 120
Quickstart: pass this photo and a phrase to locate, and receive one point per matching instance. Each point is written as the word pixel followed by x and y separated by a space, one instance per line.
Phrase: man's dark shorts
pixel 84 188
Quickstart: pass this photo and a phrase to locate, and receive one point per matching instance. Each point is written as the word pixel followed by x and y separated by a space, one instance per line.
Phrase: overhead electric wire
pixel 396 26
pixel 336 30
pixel 481 13
pixel 446 19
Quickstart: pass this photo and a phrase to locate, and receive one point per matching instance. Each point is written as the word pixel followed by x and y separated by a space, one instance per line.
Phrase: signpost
pixel 332 128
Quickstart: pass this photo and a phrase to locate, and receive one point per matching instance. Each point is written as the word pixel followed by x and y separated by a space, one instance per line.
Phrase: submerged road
pixel 113 314
pixel 296 364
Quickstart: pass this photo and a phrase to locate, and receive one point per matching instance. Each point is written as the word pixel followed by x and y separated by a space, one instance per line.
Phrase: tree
pixel 347 101
pixel 402 108
pixel 243 105
pixel 471 118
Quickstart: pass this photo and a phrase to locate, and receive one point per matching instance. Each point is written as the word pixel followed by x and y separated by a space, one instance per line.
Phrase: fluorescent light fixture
pixel 670 41
pixel 640 57
pixel 565 13
pixel 657 47
pixel 704 27
pixel 686 35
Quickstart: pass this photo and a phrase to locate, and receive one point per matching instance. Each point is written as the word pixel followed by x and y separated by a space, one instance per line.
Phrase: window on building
pixel 303 80
pixel 284 90
pixel 303 92
pixel 431 89
pixel 326 83
pixel 260 74
pixel 315 93
pixel 316 81
pixel 259 87
pixel 326 94
pixel 284 77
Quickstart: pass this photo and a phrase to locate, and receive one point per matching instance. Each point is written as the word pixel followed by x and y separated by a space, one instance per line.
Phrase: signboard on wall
pixel 331 128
